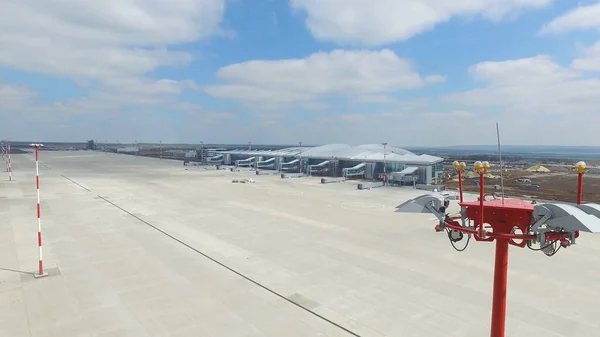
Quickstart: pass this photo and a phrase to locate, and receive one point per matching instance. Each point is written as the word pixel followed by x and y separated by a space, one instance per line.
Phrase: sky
pixel 406 72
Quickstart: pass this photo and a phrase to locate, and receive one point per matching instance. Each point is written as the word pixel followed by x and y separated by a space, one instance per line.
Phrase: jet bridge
pixel 266 164
pixel 321 167
pixel 245 162
pixel 355 171
pixel 290 166
pixel 216 159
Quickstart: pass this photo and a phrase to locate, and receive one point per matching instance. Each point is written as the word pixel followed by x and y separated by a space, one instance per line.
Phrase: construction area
pixel 138 246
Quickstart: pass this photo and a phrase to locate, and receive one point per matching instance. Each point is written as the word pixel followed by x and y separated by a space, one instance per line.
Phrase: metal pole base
pixel 40 275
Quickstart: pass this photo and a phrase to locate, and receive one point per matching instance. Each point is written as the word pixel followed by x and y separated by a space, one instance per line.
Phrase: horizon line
pixel 308 145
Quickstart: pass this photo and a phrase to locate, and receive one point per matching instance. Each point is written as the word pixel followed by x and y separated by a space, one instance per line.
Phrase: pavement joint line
pixel 247 278
pixel 76 183
pixel 69 179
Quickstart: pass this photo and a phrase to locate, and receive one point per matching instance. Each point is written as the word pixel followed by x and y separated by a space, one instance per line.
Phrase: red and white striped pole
pixel 8 168
pixel 39 221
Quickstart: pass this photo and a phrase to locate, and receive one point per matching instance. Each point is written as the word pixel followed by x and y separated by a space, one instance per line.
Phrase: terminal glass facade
pixel 436 169
pixel 393 167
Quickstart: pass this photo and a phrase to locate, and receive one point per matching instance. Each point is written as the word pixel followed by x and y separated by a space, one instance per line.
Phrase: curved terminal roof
pixel 287 152
pixel 369 153
pixel 366 152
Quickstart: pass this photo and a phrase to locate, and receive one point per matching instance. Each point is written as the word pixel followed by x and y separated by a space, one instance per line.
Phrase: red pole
pixel 459 167
pixel 460 185
pixel 481 197
pixel 482 168
pixel 579 187
pixel 5 151
pixel 500 285
pixel 39 211
pixel 9 168
pixel 580 166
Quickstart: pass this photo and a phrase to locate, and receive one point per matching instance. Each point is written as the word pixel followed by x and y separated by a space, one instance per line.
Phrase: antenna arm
pixel 541 235
pixel 440 215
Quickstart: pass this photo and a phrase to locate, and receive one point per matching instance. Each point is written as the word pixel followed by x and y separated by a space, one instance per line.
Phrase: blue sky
pixel 319 71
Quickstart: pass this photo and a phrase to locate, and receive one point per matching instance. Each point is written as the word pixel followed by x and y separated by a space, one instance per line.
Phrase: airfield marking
pixel 76 183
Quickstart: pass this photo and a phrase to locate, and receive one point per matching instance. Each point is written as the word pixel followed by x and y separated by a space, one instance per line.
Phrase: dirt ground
pixel 560 185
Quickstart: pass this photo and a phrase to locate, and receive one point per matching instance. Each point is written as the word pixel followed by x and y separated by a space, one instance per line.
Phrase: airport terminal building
pixel 342 160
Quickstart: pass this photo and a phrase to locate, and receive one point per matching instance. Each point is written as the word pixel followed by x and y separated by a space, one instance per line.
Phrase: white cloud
pixel 109 42
pixel 536 99
pixel 343 118
pixel 199 118
pixel 535 86
pixel 81 62
pixel 582 17
pixel 373 98
pixel 386 21
pixel 340 72
pixel 14 97
pixel 110 47
pixel 539 69
pixel 591 61
pixel 116 22
pixel 138 91
pixel 125 118
pixel 111 97
pixel 271 116
pixel 102 39
pixel 579 18
pixel 458 115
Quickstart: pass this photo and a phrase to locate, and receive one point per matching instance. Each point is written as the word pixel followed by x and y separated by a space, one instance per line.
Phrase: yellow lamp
pixel 486 166
pixel 459 166
pixel 478 166
pixel 580 166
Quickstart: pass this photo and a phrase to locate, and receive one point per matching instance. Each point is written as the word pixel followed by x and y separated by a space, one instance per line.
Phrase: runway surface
pixel 143 247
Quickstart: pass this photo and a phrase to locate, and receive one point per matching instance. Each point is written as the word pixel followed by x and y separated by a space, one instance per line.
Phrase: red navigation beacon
pixel 508 221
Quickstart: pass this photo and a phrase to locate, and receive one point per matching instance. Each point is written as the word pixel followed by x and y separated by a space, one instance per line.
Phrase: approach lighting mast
pixel 384 163
pixel 545 227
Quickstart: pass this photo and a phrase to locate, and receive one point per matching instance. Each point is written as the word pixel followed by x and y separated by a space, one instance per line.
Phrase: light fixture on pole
pixel 384 163
pixel 580 166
